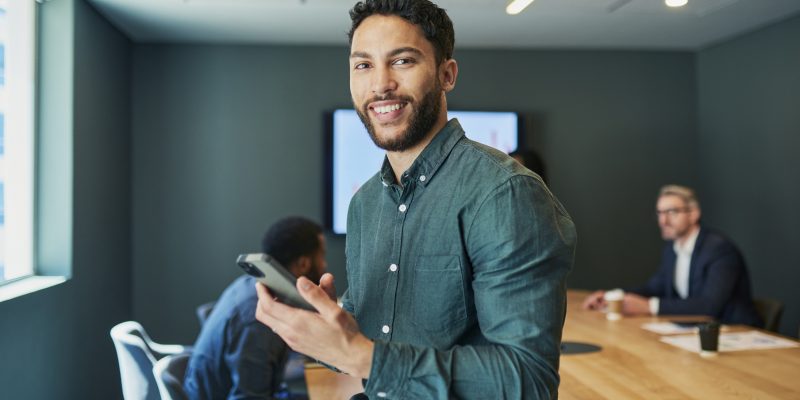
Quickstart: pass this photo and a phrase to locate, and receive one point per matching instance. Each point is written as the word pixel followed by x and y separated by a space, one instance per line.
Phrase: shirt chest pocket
pixel 439 303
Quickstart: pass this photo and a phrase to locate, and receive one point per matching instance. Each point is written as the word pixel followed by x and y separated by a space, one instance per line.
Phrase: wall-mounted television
pixel 353 158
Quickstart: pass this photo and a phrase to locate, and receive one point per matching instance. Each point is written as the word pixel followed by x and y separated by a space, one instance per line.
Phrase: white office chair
pixel 169 372
pixel 137 354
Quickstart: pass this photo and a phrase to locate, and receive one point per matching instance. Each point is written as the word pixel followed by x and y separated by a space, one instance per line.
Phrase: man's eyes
pixel 397 62
pixel 403 61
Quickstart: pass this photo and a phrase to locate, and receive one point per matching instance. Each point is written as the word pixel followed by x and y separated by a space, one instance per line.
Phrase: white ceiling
pixel 607 24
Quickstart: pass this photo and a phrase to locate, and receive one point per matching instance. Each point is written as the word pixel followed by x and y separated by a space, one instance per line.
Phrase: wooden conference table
pixel 634 364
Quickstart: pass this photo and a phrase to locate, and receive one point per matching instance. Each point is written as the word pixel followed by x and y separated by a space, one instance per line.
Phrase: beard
pixel 423 119
pixel 673 233
pixel 315 273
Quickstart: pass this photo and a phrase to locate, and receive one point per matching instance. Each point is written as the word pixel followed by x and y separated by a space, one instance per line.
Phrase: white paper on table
pixel 668 328
pixel 733 341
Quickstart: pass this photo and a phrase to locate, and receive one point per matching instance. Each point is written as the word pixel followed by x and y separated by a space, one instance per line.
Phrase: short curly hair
pixel 291 238
pixel 434 22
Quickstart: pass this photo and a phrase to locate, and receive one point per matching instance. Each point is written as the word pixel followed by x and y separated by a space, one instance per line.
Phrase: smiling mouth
pixel 383 109
pixel 389 108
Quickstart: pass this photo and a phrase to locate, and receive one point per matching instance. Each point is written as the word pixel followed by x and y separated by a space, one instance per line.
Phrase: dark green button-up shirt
pixel 458 275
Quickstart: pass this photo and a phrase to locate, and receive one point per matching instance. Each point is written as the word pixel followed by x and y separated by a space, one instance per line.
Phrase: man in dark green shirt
pixel 457 255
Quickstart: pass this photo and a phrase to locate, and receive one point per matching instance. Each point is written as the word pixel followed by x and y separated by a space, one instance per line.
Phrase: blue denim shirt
pixel 458 275
pixel 235 356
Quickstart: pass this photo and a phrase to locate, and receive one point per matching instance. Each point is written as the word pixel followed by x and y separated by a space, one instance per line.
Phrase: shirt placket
pixel 394 264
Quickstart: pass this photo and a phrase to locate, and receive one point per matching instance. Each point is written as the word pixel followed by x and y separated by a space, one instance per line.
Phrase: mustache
pixel 386 97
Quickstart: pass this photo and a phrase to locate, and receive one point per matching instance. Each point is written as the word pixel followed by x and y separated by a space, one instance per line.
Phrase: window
pixel 17 30
pixel 3 24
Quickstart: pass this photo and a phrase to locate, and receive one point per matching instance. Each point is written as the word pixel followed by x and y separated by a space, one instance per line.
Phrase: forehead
pixel 380 34
pixel 670 201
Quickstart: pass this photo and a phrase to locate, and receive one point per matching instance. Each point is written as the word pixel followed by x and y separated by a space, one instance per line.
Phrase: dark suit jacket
pixel 719 285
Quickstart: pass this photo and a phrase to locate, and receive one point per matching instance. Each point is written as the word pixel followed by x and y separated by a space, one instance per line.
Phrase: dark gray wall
pixel 612 127
pixel 749 133
pixel 55 344
pixel 227 139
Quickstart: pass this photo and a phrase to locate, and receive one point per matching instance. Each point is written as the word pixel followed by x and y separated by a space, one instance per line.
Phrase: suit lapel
pixel 695 265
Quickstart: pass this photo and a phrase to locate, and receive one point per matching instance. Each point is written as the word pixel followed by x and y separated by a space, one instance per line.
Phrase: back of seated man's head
pixel 299 245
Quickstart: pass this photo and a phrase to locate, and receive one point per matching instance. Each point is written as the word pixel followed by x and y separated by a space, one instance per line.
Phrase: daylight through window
pixel 17 44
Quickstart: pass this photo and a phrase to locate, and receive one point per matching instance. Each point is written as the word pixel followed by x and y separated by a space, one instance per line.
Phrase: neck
pixel 402 160
pixel 682 240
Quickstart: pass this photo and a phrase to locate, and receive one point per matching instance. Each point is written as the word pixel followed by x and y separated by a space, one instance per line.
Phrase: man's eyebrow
pixel 400 50
pixel 360 54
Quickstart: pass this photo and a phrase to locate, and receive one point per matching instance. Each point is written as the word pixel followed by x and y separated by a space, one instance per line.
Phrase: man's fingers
pixel 592 301
pixel 326 283
pixel 271 308
pixel 316 296
pixel 262 291
pixel 281 318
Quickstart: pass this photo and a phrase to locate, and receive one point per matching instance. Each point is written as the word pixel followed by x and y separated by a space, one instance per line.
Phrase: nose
pixel 383 81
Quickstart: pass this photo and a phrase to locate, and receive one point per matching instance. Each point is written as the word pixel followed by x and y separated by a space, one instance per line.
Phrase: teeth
pixel 386 109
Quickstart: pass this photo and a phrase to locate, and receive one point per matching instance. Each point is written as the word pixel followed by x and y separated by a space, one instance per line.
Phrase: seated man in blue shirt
pixel 701 272
pixel 457 255
pixel 235 356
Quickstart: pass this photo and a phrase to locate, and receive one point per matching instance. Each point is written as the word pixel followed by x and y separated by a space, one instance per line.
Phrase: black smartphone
pixel 281 283
pixel 688 324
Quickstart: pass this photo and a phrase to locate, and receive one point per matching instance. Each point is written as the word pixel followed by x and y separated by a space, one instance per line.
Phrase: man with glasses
pixel 701 272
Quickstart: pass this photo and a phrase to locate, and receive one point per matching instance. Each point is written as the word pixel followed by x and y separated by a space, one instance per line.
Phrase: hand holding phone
pixel 281 283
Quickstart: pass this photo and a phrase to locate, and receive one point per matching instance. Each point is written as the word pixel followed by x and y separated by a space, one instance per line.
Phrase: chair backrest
pixel 169 372
pixel 135 362
pixel 770 311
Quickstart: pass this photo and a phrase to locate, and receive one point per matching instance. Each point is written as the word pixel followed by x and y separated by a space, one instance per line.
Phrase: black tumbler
pixel 709 338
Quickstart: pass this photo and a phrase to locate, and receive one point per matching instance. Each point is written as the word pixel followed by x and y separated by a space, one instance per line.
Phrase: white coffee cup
pixel 613 300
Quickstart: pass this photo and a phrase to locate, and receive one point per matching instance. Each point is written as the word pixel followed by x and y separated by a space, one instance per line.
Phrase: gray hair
pixel 685 193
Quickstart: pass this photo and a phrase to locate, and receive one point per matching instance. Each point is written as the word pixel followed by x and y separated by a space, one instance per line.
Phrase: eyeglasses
pixel 671 212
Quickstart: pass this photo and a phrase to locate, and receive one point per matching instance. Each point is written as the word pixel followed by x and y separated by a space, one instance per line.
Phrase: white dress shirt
pixel 682 263
pixel 682 266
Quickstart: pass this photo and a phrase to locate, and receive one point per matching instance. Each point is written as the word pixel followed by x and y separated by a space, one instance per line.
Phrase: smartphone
pixel 281 283
pixel 688 324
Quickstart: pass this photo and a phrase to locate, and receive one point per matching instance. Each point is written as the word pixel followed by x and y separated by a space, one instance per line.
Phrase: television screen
pixel 353 158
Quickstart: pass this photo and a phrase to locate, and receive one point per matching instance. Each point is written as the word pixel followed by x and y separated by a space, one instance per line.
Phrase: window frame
pixel 19 83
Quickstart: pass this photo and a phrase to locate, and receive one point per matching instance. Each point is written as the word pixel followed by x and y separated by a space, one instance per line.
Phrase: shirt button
pixel 402 208
pixel 422 178
pixel 393 267
pixel 385 329
pixel 381 394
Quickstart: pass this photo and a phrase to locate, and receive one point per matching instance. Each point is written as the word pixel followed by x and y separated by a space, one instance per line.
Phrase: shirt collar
pixel 688 245
pixel 431 158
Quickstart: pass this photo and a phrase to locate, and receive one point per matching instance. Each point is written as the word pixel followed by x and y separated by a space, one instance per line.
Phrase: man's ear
pixel 301 266
pixel 695 215
pixel 448 73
